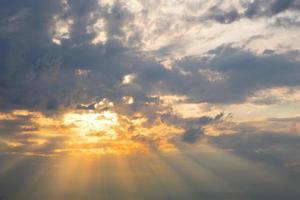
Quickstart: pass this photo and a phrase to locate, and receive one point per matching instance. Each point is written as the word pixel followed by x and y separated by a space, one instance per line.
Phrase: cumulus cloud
pixel 122 57
pixel 38 73
pixel 245 73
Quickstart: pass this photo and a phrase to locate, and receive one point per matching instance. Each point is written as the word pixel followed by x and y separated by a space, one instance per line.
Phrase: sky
pixel 160 99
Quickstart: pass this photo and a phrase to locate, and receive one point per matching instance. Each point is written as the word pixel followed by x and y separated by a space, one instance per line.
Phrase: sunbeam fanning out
pixel 143 100
pixel 205 172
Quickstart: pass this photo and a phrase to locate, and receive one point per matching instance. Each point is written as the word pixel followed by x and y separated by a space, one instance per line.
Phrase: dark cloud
pixel 242 73
pixel 192 135
pixel 287 22
pixel 223 17
pixel 259 8
pixel 252 10
pixel 268 144
pixel 276 149
pixel 39 74
pixel 194 127
pixel 29 53
pixel 151 141
pixel 281 5
pixel 12 127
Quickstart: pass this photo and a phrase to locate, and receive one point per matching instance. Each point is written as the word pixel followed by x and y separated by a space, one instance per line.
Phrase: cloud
pixel 194 128
pixel 71 55
pixel 192 135
pixel 280 5
pixel 133 76
pixel 245 73
pixel 39 74
pixel 226 13
pixel 223 16
pixel 277 149
pixel 260 8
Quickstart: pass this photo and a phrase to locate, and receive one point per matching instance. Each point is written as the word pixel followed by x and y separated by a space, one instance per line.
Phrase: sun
pixel 94 133
pixel 93 126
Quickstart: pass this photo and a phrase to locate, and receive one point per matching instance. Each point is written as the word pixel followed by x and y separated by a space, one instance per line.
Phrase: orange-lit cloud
pixel 88 132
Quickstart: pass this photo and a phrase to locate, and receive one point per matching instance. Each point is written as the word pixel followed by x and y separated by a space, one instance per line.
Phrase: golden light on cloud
pixel 111 133
pixel 61 29
pixel 85 132
pixel 89 125
pixel 98 28
pixel 127 79
pixel 128 100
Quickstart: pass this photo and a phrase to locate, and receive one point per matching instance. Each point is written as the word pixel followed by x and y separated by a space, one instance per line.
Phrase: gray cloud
pixel 260 8
pixel 36 73
pixel 193 127
pixel 276 149
pixel 192 135
pixel 268 144
pixel 251 10
pixel 12 127
pixel 39 74
pixel 223 17
pixel 244 73
pixel 280 5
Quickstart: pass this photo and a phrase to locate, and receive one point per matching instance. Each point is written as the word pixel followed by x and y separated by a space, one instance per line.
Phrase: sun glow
pixel 88 133
pixel 93 126
pixel 98 134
